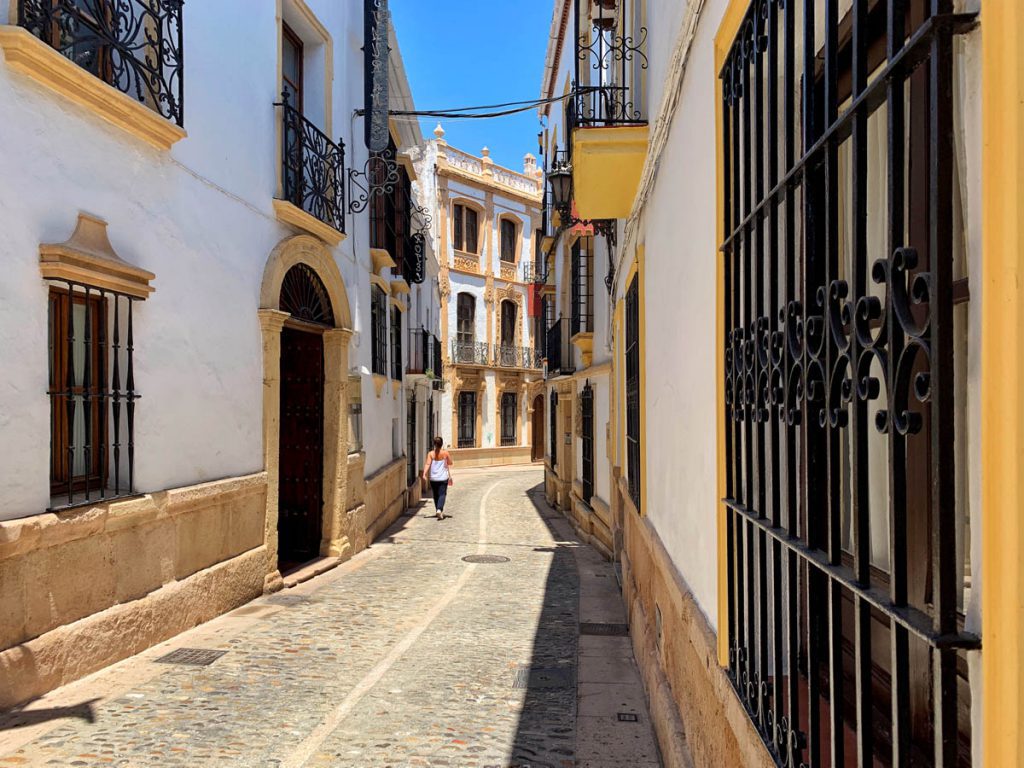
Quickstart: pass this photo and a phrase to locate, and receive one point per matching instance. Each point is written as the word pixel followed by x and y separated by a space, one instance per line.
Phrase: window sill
pixel 379 380
pixel 584 342
pixel 32 57
pixel 467 262
pixel 293 216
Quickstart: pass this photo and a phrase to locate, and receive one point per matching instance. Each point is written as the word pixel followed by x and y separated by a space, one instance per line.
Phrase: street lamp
pixel 560 179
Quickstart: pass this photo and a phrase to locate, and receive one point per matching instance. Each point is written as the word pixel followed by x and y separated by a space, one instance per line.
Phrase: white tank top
pixel 438 469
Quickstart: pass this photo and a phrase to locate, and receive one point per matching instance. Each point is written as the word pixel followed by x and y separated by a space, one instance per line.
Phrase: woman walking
pixel 438 472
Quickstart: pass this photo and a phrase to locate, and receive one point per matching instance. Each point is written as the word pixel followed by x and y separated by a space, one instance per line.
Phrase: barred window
pixel 554 428
pixel 633 390
pixel 508 240
pixel 92 394
pixel 509 407
pixel 587 409
pixel 582 286
pixel 379 331
pixel 845 279
pixel 467 419
pixel 396 344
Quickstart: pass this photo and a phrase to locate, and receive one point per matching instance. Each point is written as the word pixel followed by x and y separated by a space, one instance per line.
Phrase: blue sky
pixel 450 65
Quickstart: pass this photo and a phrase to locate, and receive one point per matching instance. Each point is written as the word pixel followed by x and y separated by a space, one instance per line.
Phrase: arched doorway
pixel 300 498
pixel 537 449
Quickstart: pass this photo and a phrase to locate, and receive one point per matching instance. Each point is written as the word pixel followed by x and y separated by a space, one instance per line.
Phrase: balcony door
pixel 466 312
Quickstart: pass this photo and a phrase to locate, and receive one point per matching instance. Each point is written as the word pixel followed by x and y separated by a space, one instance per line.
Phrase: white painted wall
pixel 200 217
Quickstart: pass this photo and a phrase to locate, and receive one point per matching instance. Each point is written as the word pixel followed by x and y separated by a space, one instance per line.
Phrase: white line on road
pixel 306 748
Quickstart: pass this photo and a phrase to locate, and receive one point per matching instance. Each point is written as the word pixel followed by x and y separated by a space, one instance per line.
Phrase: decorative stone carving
pixel 508 271
pixel 467 262
pixel 444 284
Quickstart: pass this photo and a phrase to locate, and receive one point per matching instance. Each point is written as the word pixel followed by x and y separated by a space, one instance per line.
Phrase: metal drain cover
pixel 545 677
pixel 628 717
pixel 288 600
pixel 492 559
pixel 615 630
pixel 193 657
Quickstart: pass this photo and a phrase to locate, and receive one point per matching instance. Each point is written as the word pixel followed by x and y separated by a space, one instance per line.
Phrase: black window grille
pixel 92 394
pixel 304 296
pixel 632 351
pixel 587 414
pixel 845 533
pixel 396 344
pixel 412 465
pixel 467 419
pixel 379 331
pixel 582 286
pixel 509 411
pixel 554 429
pixel 136 46
pixel 508 240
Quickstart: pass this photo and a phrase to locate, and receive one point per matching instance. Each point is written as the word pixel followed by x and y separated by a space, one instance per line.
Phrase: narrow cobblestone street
pixel 405 656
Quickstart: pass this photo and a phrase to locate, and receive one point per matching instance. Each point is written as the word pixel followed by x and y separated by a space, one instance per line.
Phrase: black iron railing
pixel 397 365
pixel 313 169
pixel 845 524
pixel 611 57
pixel 136 46
pixel 517 357
pixel 424 354
pixel 471 353
pixel 535 273
pixel 587 413
pixel 559 349
pixel 582 285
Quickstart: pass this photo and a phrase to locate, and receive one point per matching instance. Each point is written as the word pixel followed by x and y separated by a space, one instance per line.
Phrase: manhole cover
pixel 604 629
pixel 288 600
pixel 535 678
pixel 628 717
pixel 193 657
pixel 485 559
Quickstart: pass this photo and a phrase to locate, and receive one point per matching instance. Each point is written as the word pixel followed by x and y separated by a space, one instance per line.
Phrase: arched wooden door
pixel 301 455
pixel 537 450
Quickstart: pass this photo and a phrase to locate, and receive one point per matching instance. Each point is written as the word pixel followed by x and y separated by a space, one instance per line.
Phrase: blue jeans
pixel 440 489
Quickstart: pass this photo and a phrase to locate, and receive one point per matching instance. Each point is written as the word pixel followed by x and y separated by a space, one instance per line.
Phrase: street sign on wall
pixel 377 20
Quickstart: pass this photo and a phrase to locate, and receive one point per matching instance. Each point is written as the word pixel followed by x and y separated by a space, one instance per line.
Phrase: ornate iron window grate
pixel 312 168
pixel 304 296
pixel 92 394
pixel 396 344
pixel 843 521
pixel 632 353
pixel 611 59
pixel 467 419
pixel 587 415
pixel 136 46
pixel 379 331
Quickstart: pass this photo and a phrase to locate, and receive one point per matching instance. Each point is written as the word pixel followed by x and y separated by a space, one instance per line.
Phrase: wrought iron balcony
pixel 313 169
pixel 516 357
pixel 133 45
pixel 611 57
pixel 536 273
pixel 471 353
pixel 559 349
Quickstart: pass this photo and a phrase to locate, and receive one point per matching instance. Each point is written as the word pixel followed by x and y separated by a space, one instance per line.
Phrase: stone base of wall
pixel 385 499
pixel 85 588
pixel 491 457
pixel 557 490
pixel 692 700
pixel 592 521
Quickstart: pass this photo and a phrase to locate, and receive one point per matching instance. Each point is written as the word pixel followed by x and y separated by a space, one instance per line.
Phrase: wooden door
pixel 301 462
pixel 538 428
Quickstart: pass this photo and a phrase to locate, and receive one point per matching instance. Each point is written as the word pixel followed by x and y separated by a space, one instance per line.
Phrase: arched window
pixel 465 228
pixel 466 316
pixel 508 240
pixel 304 296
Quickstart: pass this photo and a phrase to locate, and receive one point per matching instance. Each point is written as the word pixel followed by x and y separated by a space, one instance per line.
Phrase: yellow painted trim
pixel 399 286
pixel 397 303
pixel 381 259
pixel 380 282
pixel 88 258
pixel 729 27
pixel 1002 384
pixel 32 57
pixel 637 270
pixel 406 162
pixel 293 216
pixel 608 164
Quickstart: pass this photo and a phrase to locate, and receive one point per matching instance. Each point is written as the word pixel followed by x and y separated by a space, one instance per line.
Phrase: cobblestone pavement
pixel 405 656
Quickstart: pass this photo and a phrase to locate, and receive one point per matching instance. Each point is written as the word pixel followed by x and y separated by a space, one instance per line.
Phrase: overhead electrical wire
pixel 473 113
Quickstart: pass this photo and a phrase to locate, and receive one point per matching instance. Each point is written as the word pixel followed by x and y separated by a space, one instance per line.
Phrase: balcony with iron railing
pixel 559 349
pixel 607 114
pixel 471 353
pixel 133 46
pixel 535 273
pixel 517 357
pixel 312 170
